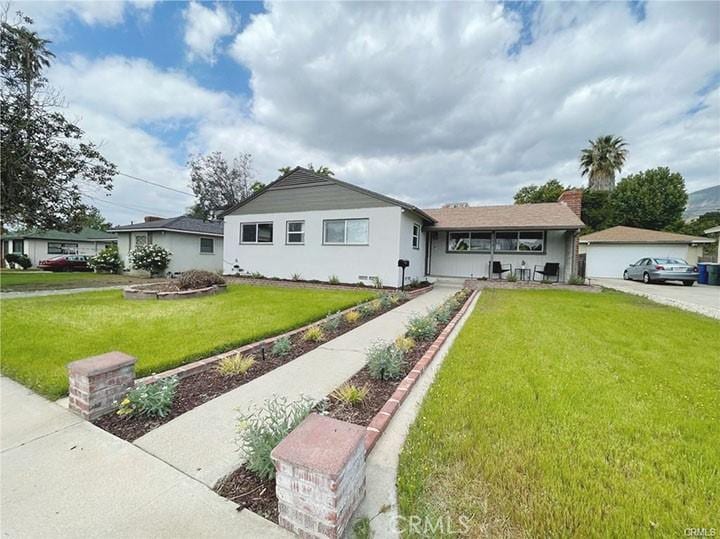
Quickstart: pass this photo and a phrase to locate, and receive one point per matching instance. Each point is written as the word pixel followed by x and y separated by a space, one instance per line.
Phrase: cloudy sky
pixel 427 102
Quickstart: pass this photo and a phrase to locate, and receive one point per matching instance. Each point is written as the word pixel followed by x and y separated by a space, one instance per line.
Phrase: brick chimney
pixel 573 200
pixel 149 218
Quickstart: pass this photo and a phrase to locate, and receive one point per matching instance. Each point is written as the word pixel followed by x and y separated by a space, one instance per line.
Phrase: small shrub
pixel 313 334
pixel 365 310
pixel 154 400
pixel 385 361
pixel 376 282
pixel 352 316
pixel 399 296
pixel 511 278
pixel 334 279
pixel 282 346
pixel 422 328
pixel 442 314
pixel 257 275
pixel 263 428
pixel 360 284
pixel 192 279
pixel 386 301
pixel 332 322
pixel 296 277
pixel 149 257
pixel 350 394
pixel 576 280
pixel 405 344
pixel 236 364
pixel 107 261
pixel 18 259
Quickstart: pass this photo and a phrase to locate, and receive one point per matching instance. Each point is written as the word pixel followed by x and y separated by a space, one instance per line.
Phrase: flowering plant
pixel 149 257
pixel 107 261
pixel 153 399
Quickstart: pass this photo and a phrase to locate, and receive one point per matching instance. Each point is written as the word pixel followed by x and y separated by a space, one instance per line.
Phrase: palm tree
pixel 605 156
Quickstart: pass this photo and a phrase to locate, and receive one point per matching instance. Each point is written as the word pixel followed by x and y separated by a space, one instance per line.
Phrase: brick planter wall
pixel 320 476
pixel 98 381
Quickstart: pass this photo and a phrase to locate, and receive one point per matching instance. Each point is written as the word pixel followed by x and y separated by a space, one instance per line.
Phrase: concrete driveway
pixel 700 298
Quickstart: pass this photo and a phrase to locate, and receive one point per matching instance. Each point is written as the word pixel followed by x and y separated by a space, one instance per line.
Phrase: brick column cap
pixel 101 364
pixel 321 444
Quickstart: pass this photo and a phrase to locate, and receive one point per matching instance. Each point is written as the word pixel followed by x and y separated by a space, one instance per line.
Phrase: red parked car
pixel 65 263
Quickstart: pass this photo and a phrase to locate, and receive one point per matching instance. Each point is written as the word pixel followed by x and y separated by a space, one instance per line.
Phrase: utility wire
pixel 155 184
pixel 133 208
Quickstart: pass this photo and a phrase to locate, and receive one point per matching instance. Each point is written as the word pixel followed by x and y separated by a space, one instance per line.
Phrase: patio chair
pixel 550 272
pixel 496 268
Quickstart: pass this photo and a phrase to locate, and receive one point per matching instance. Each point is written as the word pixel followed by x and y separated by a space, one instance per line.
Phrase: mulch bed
pixel 206 385
pixel 244 488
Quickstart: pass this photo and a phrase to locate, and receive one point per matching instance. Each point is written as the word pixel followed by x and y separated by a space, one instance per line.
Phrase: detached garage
pixel 609 252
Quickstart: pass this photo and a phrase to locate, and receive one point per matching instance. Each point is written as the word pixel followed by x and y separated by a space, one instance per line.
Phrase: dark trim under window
pixel 295 232
pixel 207 246
pixel 416 236
pixel 60 248
pixel 261 233
pixel 346 231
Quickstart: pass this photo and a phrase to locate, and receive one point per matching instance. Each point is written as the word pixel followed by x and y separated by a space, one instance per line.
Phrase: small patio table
pixel 522 273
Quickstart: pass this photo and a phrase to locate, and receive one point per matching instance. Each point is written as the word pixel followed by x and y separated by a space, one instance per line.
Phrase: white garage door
pixel 610 260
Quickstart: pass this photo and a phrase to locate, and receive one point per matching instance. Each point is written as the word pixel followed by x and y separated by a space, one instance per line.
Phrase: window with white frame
pixel 256 233
pixel 470 242
pixel 416 236
pixel 207 246
pixel 140 240
pixel 522 241
pixel 346 231
pixel 295 232
pixel 59 248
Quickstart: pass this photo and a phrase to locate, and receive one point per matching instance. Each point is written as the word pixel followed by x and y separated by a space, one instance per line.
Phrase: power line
pixel 155 184
pixel 133 208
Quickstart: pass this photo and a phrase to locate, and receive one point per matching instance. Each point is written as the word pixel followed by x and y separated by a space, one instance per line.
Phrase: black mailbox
pixel 402 263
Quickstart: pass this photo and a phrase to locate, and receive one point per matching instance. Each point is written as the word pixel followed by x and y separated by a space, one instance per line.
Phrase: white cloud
pixel 204 28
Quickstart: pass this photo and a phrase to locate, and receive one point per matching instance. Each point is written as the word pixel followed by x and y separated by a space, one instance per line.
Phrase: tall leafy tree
pixel 601 160
pixel 45 158
pixel 596 210
pixel 655 199
pixel 92 218
pixel 550 191
pixel 219 183
pixel 322 170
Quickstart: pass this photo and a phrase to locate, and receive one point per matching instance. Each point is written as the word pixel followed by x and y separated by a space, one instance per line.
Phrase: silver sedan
pixel 656 270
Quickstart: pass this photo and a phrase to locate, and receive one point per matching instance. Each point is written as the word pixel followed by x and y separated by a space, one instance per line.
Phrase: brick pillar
pixel 98 381
pixel 320 476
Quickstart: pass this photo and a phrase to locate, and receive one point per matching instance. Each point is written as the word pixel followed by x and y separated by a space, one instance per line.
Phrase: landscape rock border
pixel 145 291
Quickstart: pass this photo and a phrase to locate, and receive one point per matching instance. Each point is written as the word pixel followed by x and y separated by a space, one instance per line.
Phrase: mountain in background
pixel 702 201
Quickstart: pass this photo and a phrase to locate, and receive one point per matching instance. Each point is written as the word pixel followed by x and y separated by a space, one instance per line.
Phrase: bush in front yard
pixel 18 259
pixel 107 261
pixel 261 429
pixel 422 328
pixel 385 361
pixel 153 399
pixel 193 279
pixel 150 257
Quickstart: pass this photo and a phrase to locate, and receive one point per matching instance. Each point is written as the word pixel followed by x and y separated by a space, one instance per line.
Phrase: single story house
pixel 42 244
pixel 609 252
pixel 715 232
pixel 194 243
pixel 316 227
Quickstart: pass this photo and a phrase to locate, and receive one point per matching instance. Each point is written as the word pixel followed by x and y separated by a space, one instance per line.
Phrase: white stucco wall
pixel 464 264
pixel 185 249
pixel 313 260
pixel 37 249
pixel 610 260
pixel 415 256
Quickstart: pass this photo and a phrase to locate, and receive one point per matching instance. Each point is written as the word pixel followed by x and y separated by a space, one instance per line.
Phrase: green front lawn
pixel 25 281
pixel 566 414
pixel 41 335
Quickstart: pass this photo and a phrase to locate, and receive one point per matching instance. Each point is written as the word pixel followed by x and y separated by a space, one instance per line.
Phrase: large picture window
pixel 59 248
pixel 295 232
pixel 256 233
pixel 523 241
pixel 207 246
pixel 346 232
pixel 475 242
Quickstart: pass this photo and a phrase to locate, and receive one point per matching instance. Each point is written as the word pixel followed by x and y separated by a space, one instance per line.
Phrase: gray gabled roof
pixel 183 223
pixel 86 234
pixel 302 175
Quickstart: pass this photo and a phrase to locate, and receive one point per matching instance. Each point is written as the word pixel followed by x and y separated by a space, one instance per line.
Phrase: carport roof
pixel 628 234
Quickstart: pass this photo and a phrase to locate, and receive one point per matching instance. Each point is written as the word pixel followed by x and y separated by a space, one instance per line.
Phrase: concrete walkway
pixel 59 292
pixel 64 477
pixel 202 442
pixel 380 503
pixel 700 298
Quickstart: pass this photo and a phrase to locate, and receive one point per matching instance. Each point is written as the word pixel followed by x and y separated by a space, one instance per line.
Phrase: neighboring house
pixel 41 244
pixel 317 226
pixel 194 243
pixel 715 231
pixel 610 251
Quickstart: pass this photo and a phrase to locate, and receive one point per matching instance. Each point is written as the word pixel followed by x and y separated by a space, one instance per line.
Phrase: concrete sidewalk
pixel 202 442
pixel 64 477
pixel 58 292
